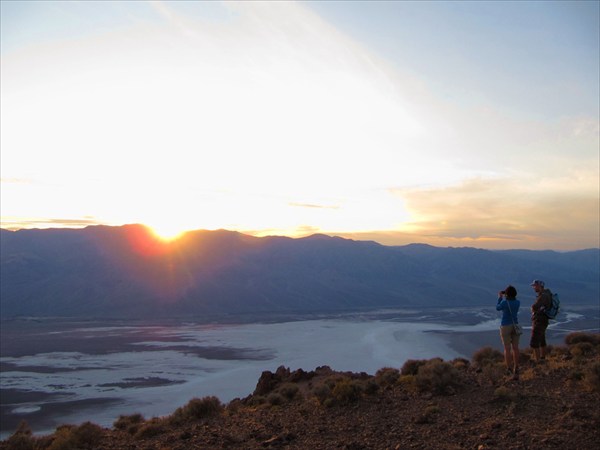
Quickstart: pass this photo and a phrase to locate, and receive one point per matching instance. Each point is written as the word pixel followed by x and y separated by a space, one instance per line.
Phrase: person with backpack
pixel 510 331
pixel 539 319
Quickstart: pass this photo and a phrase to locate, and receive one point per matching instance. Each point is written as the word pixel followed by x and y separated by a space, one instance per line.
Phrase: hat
pixel 538 282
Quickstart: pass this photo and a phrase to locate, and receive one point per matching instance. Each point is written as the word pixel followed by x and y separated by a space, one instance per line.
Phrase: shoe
pixel 515 376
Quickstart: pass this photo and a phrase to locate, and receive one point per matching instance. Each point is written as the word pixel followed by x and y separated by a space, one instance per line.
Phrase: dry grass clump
pixel 151 428
pixel 487 356
pixel 322 392
pixel 342 390
pixel 461 363
pixel 23 439
pixel 578 337
pixel 581 346
pixel 411 366
pixel 88 435
pixel 130 424
pixel 256 400
pixel 275 399
pixel 582 349
pixel 386 376
pixel 285 393
pixel 438 377
pixel 428 414
pixel 503 393
pixel 195 409
pixel 289 391
pixel 591 377
pixel 346 391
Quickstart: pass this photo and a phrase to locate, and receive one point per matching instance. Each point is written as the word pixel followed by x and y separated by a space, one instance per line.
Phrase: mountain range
pixel 127 272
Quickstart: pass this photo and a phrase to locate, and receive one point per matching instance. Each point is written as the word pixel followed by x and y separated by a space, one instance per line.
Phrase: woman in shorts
pixel 509 305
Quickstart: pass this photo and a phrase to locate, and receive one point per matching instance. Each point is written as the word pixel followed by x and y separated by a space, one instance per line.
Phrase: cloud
pixel 535 213
pixel 17 223
pixel 310 205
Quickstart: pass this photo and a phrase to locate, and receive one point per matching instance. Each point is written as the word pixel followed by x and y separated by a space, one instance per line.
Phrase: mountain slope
pixel 431 404
pixel 127 272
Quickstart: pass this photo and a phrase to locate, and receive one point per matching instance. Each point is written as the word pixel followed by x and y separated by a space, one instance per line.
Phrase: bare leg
pixel 507 356
pixel 536 354
pixel 515 354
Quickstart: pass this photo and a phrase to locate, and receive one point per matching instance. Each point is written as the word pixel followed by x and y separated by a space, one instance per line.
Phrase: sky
pixel 449 123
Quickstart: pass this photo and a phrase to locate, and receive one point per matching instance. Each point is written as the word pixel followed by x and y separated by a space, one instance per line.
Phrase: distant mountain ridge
pixel 126 272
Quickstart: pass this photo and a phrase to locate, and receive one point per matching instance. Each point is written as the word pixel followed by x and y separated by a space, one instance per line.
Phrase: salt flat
pixel 107 371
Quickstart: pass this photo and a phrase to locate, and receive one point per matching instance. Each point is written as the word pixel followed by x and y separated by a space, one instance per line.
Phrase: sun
pixel 166 233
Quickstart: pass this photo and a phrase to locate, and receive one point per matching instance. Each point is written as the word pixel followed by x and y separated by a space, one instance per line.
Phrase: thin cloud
pixel 15 223
pixel 533 213
pixel 312 205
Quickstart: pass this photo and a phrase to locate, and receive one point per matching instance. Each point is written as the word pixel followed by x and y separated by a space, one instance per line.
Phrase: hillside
pixel 430 404
pixel 126 272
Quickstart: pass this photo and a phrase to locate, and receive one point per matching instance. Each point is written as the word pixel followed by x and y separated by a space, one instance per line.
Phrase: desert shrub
pixel 332 380
pixel 432 409
pixel 437 376
pixel 70 437
pixel 346 391
pixel 505 394
pixel 408 381
pixel 428 414
pixel 342 392
pixel 493 372
pixel 256 400
pixel 411 366
pixel 22 438
pixel 151 428
pixel 130 423
pixel 387 376
pixel 275 399
pixel 582 348
pixel 322 392
pixel 591 377
pixel 197 408
pixel 461 363
pixel 486 356
pixel 370 387
pixel 234 405
pixel 577 337
pixel 289 390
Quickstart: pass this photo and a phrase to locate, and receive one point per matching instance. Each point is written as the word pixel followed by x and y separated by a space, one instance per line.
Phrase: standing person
pixel 510 339
pixel 539 319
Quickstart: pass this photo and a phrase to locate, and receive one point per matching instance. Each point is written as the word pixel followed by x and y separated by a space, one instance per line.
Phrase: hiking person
pixel 509 331
pixel 539 319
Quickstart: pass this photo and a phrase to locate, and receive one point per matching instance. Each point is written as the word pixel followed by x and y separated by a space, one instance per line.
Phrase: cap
pixel 538 282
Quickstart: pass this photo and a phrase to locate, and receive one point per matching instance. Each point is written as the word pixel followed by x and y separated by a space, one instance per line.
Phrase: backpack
pixel 552 311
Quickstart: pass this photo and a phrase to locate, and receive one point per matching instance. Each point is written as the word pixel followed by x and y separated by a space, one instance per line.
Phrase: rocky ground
pixel 431 404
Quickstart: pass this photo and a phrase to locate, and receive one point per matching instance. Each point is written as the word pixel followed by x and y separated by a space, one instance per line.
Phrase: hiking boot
pixel 515 375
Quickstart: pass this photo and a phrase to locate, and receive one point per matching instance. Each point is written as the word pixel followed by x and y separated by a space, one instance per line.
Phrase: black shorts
pixel 538 333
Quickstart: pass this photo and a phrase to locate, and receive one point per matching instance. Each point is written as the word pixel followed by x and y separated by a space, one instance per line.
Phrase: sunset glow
pixel 447 123
pixel 167 233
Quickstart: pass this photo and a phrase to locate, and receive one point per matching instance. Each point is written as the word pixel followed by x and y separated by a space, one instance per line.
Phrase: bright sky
pixel 449 123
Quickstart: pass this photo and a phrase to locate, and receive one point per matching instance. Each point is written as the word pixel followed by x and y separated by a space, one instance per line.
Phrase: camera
pixel 503 292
